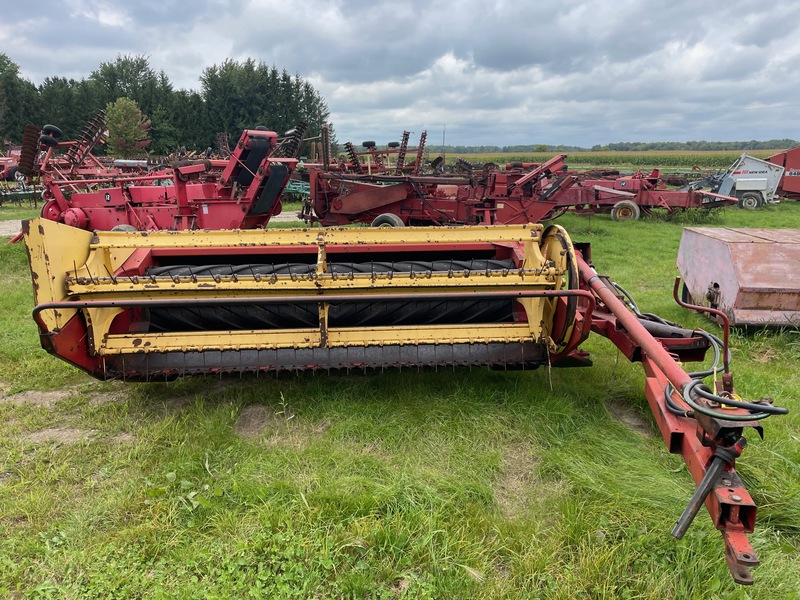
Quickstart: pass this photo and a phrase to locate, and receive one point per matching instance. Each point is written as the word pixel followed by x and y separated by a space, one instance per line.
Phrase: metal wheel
pixel 750 200
pixel 625 210
pixel 556 247
pixel 388 220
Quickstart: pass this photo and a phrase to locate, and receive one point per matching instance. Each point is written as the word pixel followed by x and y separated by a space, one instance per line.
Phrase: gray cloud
pixel 493 72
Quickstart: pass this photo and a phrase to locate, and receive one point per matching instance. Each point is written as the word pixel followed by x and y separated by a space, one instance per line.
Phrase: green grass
pixel 413 484
pixel 12 211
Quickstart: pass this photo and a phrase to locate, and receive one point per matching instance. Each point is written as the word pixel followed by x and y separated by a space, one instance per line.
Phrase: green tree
pixel 243 95
pixel 129 129
pixel 19 102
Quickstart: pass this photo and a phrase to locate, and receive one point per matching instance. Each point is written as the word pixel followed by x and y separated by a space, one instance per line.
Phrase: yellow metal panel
pixel 316 284
pixel 45 241
pixel 310 338
pixel 316 236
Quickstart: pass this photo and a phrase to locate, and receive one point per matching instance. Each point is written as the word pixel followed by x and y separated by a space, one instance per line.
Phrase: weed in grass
pixel 690 216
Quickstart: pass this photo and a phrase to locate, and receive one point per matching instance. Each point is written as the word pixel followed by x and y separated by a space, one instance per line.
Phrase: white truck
pixel 752 180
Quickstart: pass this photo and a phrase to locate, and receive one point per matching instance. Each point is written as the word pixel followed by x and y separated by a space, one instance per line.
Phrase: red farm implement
pixel 488 197
pixel 243 191
pixel 520 193
pixel 627 197
pixel 790 181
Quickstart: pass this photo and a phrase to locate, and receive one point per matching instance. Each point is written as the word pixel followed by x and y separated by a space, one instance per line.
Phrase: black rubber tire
pixel 388 220
pixel 52 131
pixel 48 140
pixel 368 144
pixel 12 174
pixel 750 200
pixel 625 210
pixel 393 144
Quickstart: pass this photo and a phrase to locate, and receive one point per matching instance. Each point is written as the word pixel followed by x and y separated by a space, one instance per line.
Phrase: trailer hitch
pixel 704 426
pixel 723 458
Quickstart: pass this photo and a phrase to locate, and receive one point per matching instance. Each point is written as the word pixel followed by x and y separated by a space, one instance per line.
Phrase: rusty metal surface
pixel 753 274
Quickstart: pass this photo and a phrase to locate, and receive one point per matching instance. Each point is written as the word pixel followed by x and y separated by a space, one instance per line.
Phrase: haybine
pixel 164 304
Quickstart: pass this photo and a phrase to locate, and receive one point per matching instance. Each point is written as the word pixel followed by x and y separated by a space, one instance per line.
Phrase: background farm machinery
pixel 746 276
pixel 491 197
pixel 158 305
pixel 520 193
pixel 9 165
pixel 754 182
pixel 790 180
pixel 243 191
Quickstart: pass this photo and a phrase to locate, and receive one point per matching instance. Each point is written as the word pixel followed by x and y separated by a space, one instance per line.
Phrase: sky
pixel 470 72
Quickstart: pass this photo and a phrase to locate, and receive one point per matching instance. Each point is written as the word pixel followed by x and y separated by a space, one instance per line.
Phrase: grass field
pixel 411 484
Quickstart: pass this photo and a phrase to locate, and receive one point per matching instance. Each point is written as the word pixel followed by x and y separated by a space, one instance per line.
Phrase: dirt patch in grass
pixel 37 398
pixel 629 417
pixel 253 420
pixel 764 356
pixel 516 480
pixel 59 435
pixel 262 423
pixel 123 438
pixel 106 398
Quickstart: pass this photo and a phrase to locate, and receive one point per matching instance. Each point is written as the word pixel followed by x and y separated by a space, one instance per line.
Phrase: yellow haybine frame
pixel 159 305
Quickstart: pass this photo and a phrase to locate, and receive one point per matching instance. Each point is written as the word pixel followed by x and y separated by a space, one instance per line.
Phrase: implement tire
pixel 750 200
pixel 388 220
pixel 52 131
pixel 49 141
pixel 625 210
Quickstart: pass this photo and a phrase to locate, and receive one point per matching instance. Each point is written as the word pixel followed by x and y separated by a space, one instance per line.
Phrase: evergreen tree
pixel 19 101
pixel 128 128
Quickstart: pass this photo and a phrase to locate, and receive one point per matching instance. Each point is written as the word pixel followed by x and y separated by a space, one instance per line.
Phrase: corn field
pixel 670 160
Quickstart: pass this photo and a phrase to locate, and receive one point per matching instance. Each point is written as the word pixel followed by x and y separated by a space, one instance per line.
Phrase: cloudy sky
pixel 497 72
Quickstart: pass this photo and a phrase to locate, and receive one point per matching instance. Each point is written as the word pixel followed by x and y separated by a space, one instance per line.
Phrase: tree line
pixel 233 96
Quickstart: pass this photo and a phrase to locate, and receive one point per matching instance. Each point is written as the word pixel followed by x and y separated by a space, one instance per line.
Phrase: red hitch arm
pixel 708 440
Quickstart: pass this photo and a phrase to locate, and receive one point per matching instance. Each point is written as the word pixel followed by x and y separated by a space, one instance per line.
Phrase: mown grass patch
pixel 14 211
pixel 430 484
